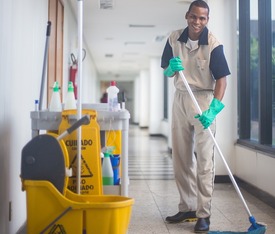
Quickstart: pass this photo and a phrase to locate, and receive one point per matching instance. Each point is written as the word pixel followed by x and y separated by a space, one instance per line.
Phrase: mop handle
pixel 48 33
pixel 216 144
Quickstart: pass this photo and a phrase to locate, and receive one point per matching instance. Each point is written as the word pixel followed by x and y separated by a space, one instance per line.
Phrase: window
pixel 254 71
pixel 257 74
pixel 273 71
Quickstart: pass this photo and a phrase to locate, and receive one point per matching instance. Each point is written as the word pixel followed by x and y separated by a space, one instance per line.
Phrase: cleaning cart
pixel 51 207
pixel 108 122
pixel 45 170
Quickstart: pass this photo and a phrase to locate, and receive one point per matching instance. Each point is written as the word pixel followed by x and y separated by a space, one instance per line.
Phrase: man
pixel 196 51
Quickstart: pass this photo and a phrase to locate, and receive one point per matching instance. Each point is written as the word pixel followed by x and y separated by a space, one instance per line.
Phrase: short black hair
pixel 199 3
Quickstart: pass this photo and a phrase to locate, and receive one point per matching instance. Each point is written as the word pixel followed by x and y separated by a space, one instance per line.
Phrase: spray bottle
pixel 107 170
pixel 112 91
pixel 70 102
pixel 55 104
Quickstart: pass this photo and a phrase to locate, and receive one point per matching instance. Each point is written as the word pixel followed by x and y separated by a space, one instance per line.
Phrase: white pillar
pixel 171 92
pixel 135 118
pixel 144 99
pixel 156 96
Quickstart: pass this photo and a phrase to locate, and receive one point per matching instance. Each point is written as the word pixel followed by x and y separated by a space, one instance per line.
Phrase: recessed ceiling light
pixel 127 61
pixel 141 25
pixel 134 43
pixel 185 1
pixel 160 38
pixel 130 54
pixel 106 4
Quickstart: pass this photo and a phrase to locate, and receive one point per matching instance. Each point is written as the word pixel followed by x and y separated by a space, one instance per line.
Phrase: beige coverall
pixel 192 147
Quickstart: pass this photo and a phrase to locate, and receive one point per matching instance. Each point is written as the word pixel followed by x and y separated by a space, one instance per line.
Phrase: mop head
pixel 255 228
pixel 260 230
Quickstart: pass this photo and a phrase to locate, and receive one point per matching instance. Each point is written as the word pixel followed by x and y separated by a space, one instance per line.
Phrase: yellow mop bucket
pixel 48 211
pixel 51 207
pixel 105 214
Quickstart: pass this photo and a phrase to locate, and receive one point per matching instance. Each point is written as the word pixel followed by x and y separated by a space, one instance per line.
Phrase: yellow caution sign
pixel 91 177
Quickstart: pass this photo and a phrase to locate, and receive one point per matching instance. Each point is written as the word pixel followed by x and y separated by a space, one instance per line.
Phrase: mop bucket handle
pixel 216 144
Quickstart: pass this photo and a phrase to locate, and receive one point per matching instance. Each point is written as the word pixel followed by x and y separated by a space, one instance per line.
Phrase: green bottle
pixel 107 170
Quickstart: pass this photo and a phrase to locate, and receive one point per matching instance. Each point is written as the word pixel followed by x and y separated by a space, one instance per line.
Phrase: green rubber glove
pixel 208 116
pixel 175 65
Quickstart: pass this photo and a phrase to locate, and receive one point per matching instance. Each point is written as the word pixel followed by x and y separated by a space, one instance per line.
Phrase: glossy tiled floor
pixel 155 193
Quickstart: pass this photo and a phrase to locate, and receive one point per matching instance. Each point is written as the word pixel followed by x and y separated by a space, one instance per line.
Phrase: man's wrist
pixel 169 72
pixel 216 105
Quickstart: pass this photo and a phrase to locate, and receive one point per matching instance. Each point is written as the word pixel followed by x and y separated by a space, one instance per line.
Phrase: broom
pixel 255 227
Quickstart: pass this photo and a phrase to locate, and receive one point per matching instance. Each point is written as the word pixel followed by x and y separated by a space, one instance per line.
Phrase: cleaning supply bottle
pixel 70 102
pixel 112 92
pixel 36 105
pixel 55 104
pixel 107 170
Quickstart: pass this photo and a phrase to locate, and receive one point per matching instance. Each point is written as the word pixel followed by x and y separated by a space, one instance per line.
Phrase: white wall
pixel 90 81
pixel 227 120
pixel 144 107
pixel 255 168
pixel 22 42
pixel 156 96
pixel 23 37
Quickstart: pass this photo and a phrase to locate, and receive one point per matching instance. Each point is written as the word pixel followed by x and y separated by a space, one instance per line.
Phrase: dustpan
pixel 255 227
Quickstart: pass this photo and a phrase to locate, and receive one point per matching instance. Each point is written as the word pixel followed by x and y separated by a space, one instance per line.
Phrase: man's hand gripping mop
pixel 255 227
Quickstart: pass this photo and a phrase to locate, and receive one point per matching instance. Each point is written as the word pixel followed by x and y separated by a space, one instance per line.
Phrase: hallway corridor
pixel 155 193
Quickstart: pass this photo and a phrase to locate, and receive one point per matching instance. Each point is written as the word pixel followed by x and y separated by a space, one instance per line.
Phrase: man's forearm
pixel 220 88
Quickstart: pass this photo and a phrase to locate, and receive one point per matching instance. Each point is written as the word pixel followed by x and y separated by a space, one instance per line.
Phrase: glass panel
pixel 254 70
pixel 273 70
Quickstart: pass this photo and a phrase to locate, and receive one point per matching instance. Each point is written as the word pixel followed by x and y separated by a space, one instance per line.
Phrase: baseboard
pixel 157 135
pixel 222 179
pixel 22 229
pixel 253 190
pixel 143 127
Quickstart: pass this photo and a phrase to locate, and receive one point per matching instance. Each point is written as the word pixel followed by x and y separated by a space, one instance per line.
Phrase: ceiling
pixel 122 35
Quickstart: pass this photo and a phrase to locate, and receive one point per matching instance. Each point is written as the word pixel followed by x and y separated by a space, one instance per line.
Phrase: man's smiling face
pixel 197 18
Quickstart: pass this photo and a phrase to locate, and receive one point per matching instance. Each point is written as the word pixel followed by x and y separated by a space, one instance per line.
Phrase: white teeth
pixel 197 28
